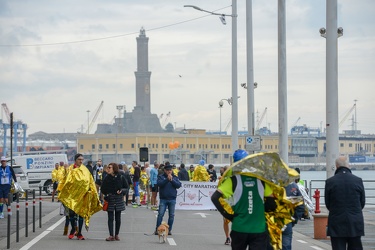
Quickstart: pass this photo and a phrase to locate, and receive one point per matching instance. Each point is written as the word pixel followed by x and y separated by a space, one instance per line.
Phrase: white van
pixel 38 168
pixel 22 178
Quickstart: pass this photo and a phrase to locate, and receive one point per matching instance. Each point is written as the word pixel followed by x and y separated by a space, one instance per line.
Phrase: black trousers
pixel 256 241
pixel 111 215
pixel 346 243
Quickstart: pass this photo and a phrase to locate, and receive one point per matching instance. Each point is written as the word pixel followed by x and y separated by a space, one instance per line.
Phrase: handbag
pixel 105 205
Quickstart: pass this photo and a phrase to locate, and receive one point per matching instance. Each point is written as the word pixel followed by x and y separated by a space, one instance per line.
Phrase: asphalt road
pixel 192 230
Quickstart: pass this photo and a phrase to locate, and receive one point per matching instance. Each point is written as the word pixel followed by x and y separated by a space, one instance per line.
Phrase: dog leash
pixel 149 234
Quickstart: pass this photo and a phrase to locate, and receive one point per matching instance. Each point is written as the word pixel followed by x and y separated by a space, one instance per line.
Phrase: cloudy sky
pixel 59 59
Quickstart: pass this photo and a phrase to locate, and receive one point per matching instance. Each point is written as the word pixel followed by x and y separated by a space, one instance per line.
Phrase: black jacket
pixel 344 197
pixel 183 175
pixel 109 188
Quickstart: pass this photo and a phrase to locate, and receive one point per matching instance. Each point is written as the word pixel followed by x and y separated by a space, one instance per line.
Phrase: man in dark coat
pixel 345 198
pixel 183 174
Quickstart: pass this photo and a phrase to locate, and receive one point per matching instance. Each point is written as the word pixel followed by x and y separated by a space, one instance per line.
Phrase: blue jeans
pixel 163 204
pixel 287 237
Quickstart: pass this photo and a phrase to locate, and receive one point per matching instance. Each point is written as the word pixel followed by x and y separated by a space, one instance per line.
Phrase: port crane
pixel 17 125
pixel 261 119
pixel 97 111
pixel 167 116
pixel 353 108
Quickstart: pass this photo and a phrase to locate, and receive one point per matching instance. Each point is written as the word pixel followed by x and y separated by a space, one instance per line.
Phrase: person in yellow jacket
pixel 191 173
pixel 55 180
pixel 78 193
pixel 200 172
pixel 143 181
pixel 175 170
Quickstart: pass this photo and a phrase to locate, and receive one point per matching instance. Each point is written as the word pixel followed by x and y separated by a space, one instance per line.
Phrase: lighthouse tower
pixel 142 75
pixel 141 120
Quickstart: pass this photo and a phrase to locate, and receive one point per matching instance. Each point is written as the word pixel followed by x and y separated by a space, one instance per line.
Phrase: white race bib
pixel 5 179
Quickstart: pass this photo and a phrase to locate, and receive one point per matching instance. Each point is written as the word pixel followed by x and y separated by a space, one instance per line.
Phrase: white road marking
pixel 202 214
pixel 41 236
pixel 171 242
pixel 301 241
pixel 317 248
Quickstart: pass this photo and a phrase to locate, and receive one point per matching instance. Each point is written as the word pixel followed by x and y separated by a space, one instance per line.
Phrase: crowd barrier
pixel 10 213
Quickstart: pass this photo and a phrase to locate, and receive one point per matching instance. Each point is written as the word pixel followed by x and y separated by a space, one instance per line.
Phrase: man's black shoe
pixel 156 232
pixel 169 233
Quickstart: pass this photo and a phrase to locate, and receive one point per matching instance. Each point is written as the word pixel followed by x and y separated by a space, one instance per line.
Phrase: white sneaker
pixel 1 215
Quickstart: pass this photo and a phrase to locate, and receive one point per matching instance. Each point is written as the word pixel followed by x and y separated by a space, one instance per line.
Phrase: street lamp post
pixel 282 83
pixel 250 67
pixel 332 33
pixel 220 107
pixel 88 121
pixel 221 103
pixel 234 67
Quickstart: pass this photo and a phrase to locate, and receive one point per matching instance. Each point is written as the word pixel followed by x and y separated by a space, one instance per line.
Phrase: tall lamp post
pixel 332 33
pixel 88 121
pixel 234 66
pixel 221 103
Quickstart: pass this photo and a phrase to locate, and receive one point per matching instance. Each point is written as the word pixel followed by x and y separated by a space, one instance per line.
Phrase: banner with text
pixel 195 195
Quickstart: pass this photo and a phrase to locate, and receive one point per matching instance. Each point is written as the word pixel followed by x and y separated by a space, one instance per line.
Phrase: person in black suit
pixel 344 196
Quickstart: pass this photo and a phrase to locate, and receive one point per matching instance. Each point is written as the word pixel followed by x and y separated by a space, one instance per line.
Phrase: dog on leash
pixel 163 230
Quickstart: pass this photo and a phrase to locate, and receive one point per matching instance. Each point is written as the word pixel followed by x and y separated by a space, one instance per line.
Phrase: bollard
pixel 18 218
pixel 10 197
pixel 317 201
pixel 320 226
pixel 34 211
pixel 40 207
pixel 27 215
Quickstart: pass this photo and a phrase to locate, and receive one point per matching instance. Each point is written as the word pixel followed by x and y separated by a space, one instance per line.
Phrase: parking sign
pixel 252 143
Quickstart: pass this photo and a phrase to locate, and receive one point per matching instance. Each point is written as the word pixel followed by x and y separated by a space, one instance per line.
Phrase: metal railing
pixel 369 186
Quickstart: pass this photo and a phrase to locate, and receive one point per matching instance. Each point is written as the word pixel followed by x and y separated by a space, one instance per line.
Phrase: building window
pixel 93 146
pixel 350 145
pixel 139 145
pixel 341 145
pixel 166 156
pixel 107 146
pixel 226 156
pixel 121 145
pixel 133 145
pixel 100 146
pixel 157 145
pixel 81 146
pixel 191 156
pixel 113 146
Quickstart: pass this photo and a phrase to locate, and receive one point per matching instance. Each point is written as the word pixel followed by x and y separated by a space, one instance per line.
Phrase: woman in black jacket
pixel 114 187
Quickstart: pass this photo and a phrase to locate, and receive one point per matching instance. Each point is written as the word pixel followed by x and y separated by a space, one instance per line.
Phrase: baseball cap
pixel 3 158
pixel 168 167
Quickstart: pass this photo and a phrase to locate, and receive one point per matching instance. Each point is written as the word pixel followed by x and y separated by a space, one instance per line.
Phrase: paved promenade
pixel 192 230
